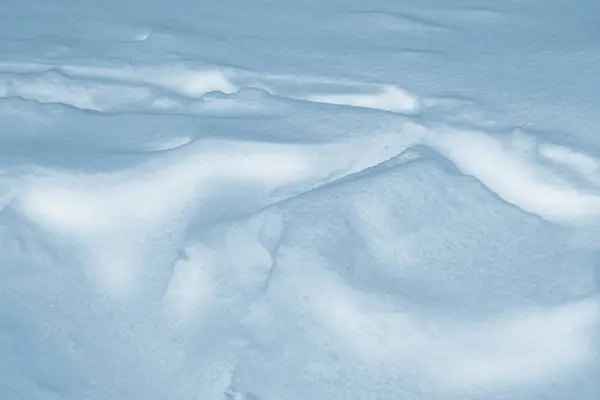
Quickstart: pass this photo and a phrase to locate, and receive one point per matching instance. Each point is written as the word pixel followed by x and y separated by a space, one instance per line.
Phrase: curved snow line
pixel 388 98
pixel 585 165
pixel 511 169
pixel 524 346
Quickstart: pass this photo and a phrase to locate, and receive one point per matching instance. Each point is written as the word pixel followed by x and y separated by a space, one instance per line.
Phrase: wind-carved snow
pixel 359 316
pixel 107 89
pixel 103 89
pixel 510 167
pixel 186 213
pixel 125 228
pixel 115 217
pixel 388 98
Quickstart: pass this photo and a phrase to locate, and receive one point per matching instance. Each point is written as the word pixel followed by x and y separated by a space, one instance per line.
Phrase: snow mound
pixel 366 274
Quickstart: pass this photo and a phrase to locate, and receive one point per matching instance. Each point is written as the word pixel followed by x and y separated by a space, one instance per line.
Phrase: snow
pixel 299 200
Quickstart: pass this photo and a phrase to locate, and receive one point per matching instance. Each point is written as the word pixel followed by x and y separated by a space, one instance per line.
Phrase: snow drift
pixel 298 201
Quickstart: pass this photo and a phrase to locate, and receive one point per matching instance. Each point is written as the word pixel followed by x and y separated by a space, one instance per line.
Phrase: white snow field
pixel 299 199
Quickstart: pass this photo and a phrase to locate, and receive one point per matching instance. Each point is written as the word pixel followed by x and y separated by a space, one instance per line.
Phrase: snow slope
pixel 299 200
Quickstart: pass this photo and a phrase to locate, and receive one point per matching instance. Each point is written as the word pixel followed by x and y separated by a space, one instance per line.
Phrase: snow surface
pixel 261 200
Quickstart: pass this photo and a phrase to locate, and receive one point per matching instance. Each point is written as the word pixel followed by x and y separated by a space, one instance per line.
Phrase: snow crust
pixel 299 200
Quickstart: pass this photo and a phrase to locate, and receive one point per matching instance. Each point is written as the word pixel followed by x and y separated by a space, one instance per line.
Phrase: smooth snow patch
pixel 5 196
pixel 587 166
pixel 515 348
pixel 114 220
pixel 521 347
pixel 191 284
